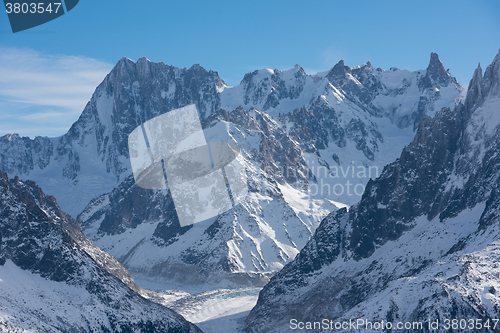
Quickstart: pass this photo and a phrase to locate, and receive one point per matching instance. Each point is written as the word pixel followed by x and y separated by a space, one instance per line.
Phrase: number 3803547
pixel 32 8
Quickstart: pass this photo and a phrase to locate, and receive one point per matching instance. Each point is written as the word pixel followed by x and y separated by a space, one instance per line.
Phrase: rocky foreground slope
pixel 53 279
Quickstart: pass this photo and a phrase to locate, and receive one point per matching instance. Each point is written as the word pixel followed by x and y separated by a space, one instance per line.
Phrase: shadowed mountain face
pixel 282 120
pixel 423 242
pixel 53 279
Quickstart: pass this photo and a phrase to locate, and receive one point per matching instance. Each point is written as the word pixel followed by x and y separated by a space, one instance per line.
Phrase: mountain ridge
pixel 94 150
pixel 346 117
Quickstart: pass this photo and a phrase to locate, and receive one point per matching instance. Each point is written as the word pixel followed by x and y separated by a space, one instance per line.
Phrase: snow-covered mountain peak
pixel 436 70
pixel 481 87
pixel 93 155
pixel 13 136
pixel 491 78
pixel 339 70
pixel 124 60
pixel 483 100
pixel 143 60
pixel 474 92
pixel 143 65
pixel 477 77
pixel 436 77
pixel 295 72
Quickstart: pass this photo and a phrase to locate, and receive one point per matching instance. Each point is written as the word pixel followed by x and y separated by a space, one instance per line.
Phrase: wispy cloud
pixel 43 94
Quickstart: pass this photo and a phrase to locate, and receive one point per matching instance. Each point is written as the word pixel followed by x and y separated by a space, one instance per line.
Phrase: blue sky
pixel 48 73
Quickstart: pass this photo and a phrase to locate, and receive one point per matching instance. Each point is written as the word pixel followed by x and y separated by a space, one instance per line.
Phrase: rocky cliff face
pixel 53 279
pixel 423 241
